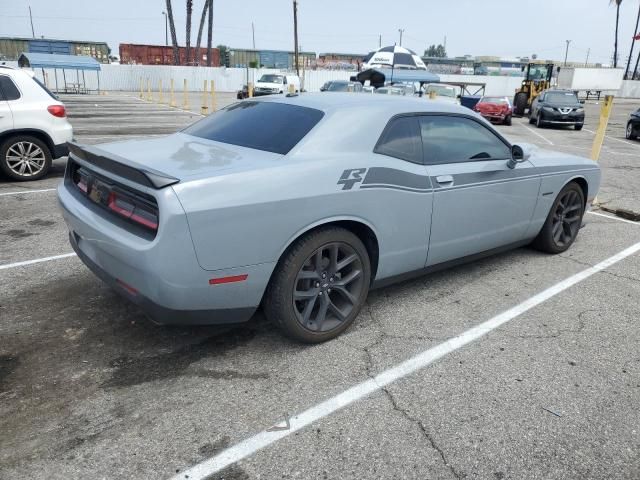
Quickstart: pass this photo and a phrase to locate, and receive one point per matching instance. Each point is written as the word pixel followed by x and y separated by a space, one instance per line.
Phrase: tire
pixel 16 149
pixel 520 103
pixel 578 126
pixel 629 132
pixel 301 269
pixel 539 122
pixel 507 120
pixel 569 200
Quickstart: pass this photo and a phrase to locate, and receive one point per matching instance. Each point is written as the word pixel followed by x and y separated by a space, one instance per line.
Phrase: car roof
pixel 341 101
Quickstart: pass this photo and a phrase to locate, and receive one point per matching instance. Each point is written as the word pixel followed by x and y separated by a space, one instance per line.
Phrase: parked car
pixel 34 128
pixel 271 83
pixel 341 86
pixel 445 93
pixel 495 109
pixel 633 126
pixel 274 202
pixel 557 107
pixel 390 90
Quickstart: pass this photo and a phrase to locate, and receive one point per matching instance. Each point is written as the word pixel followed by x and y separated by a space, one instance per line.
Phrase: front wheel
pixel 319 286
pixel 578 126
pixel 563 222
pixel 24 158
pixel 507 120
pixel 629 132
pixel 539 123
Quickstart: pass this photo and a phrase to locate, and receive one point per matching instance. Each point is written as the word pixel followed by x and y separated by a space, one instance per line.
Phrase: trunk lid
pixel 181 157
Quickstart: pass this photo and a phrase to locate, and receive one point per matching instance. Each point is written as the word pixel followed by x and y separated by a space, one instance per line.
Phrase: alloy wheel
pixel 25 159
pixel 567 218
pixel 629 130
pixel 328 287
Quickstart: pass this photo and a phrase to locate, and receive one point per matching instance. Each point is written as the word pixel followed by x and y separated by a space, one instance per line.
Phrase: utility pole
pixel 401 30
pixel 33 32
pixel 253 35
pixel 566 53
pixel 633 42
pixel 445 43
pixel 587 60
pixel 166 29
pixel 379 41
pixel 295 36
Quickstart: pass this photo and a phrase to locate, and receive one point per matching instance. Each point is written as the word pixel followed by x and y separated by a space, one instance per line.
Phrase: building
pixel 340 61
pixel 248 58
pixel 140 54
pixel 12 47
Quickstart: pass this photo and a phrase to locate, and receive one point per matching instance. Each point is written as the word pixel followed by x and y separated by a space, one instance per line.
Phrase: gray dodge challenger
pixel 304 203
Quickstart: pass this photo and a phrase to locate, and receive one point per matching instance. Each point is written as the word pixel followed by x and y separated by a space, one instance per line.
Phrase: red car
pixel 495 109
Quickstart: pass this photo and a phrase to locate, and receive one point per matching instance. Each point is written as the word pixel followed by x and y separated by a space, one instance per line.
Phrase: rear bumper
pixel 497 117
pixel 161 275
pixel 161 314
pixel 60 150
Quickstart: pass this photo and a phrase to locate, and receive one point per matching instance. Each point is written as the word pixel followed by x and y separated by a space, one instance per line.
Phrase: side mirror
pixel 517 156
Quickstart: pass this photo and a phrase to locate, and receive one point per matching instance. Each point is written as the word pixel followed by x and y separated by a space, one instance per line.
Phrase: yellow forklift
pixel 537 79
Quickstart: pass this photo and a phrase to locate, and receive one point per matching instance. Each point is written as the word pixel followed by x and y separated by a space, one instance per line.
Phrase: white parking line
pixel 265 438
pixel 614 138
pixel 28 191
pixel 612 217
pixel 37 260
pixel 536 133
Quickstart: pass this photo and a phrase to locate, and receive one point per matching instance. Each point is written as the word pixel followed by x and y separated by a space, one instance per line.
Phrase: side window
pixel 401 139
pixel 8 89
pixel 449 139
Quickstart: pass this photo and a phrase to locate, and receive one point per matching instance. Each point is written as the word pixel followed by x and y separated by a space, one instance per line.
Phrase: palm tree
pixel 633 43
pixel 203 17
pixel 615 47
pixel 174 38
pixel 188 33
pixel 209 33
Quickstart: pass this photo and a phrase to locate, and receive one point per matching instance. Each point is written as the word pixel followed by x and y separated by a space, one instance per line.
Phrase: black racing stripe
pixel 395 187
pixel 400 178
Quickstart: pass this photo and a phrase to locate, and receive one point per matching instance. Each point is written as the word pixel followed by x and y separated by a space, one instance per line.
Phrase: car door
pixel 479 202
pixel 6 117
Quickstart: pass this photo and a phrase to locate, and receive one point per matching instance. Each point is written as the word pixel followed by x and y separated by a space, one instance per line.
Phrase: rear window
pixel 268 126
pixel 8 89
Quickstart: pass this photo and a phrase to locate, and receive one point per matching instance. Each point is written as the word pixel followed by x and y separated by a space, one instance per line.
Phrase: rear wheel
pixel 24 158
pixel 520 103
pixel 563 222
pixel 319 286
pixel 629 132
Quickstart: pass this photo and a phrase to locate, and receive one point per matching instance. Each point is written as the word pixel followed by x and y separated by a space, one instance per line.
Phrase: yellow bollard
pixel 149 98
pixel 204 110
pixel 432 95
pixel 160 97
pixel 292 89
pixel 141 87
pixel 213 98
pixel 605 113
pixel 185 97
pixel 172 98
pixel 250 89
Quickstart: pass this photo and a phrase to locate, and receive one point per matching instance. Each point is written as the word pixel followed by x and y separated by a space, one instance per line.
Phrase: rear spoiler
pixel 120 166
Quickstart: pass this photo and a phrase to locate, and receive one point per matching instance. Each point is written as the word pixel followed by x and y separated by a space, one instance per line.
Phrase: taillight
pixel 133 210
pixel 57 110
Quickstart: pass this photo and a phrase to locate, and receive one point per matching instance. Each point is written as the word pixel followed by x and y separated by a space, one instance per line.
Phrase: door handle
pixel 445 179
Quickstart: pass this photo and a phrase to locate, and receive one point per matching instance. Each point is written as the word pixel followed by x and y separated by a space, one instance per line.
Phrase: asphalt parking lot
pixel 90 389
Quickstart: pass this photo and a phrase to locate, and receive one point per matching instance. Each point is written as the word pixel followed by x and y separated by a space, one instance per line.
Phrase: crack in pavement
pixel 587 264
pixel 403 412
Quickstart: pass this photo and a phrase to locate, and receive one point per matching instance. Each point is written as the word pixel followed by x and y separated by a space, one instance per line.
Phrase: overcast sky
pixel 505 28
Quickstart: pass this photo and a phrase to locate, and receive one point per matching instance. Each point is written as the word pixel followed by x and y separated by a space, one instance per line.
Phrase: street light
pixel 566 53
pixel 166 28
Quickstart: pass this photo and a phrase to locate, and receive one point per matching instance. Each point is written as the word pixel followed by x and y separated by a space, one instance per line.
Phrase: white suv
pixel 33 126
